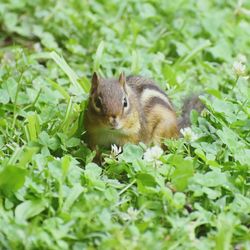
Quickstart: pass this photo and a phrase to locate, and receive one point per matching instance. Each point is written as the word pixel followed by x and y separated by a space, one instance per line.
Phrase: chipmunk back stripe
pixel 151 86
pixel 156 101
pixel 150 94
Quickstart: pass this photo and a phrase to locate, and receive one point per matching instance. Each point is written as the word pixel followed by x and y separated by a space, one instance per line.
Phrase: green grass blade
pixel 60 89
pixel 98 55
pixel 33 126
pixel 194 52
pixel 60 61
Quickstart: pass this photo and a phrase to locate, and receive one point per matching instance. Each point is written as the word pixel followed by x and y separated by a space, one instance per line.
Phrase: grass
pixel 196 195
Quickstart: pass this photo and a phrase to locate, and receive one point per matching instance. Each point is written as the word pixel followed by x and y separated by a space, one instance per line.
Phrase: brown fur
pixel 161 124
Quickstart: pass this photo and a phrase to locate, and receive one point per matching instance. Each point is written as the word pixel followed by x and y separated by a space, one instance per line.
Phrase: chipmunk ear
pixel 95 80
pixel 122 79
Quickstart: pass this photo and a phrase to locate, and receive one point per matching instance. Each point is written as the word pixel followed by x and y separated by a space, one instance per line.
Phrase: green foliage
pixel 193 196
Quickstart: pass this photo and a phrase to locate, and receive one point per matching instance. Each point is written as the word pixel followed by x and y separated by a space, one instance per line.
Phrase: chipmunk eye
pixel 125 102
pixel 98 102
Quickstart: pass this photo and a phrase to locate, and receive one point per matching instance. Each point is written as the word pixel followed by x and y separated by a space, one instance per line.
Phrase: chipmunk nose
pixel 113 121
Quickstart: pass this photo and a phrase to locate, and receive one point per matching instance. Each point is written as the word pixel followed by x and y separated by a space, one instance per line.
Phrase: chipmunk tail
pixel 190 103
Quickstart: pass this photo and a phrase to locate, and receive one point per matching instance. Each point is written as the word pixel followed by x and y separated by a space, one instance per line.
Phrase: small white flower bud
pixel 242 58
pixel 153 154
pixel 188 134
pixel 239 68
pixel 115 150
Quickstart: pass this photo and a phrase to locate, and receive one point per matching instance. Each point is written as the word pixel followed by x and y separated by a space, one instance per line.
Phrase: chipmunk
pixel 129 109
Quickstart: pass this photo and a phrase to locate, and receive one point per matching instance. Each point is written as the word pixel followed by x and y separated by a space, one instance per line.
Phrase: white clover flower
pixel 132 213
pixel 188 134
pixel 115 150
pixel 153 154
pixel 37 47
pixel 239 68
pixel 242 58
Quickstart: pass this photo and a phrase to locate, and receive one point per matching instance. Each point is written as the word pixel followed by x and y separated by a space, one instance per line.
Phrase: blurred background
pixel 178 43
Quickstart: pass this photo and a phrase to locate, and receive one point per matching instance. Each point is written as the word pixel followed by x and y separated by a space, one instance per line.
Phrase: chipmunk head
pixel 109 100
